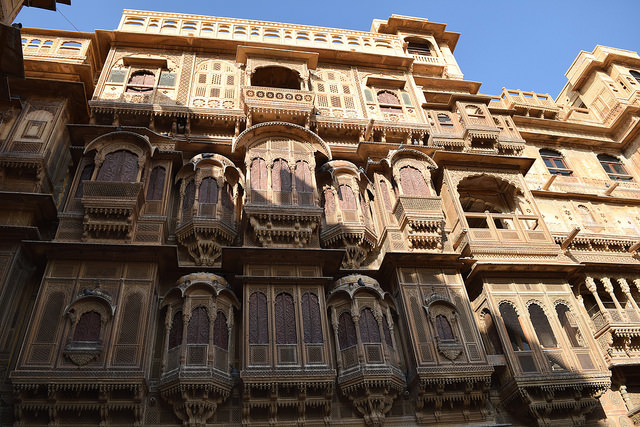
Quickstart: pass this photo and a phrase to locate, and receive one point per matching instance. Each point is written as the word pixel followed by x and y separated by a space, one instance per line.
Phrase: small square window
pixel 34 129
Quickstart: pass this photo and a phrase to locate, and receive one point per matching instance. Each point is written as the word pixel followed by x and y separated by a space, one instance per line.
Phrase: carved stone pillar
pixel 627 291
pixel 356 322
pixel 591 286
pixel 608 287
pixel 334 323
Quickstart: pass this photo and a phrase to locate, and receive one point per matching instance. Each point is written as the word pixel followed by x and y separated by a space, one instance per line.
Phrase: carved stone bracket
pixel 204 239
pixel 275 228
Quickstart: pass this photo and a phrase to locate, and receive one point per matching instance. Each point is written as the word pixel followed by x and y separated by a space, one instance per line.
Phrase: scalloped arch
pixel 259 132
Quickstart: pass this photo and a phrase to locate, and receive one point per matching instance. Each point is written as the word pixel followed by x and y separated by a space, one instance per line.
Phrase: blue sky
pixel 518 44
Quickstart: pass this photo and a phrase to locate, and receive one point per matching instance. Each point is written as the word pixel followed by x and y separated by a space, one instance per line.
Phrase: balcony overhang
pixel 244 52
pixel 487 161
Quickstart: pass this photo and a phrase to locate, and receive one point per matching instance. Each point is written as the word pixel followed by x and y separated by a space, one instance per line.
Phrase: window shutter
pixel 88 327
pixel 413 183
pixel 311 319
pixel 258 333
pixel 347 198
pixel 208 191
pixel 346 331
pixel 443 328
pixel 285 319
pixel 281 176
pixel 189 196
pixel 369 332
pixel 175 334
pixel 221 332
pixel 227 197
pixel 542 327
pixel 514 329
pixel 258 174
pixel 87 172
pixel 329 202
pixel 569 325
pixel 198 328
pixel 303 178
pixel 156 183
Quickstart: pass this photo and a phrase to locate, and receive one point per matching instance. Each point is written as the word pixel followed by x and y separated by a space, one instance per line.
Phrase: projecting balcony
pixel 275 104
pixel 351 230
pixel 421 221
pixel 205 233
pixel 619 328
pixel 111 208
pixel 530 103
pixel 496 233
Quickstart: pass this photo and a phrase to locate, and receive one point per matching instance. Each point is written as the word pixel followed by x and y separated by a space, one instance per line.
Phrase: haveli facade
pixel 212 221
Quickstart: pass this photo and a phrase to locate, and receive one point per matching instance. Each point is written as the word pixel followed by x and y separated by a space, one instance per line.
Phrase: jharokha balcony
pixel 612 305
pixel 269 103
pixel 111 208
pixel 421 221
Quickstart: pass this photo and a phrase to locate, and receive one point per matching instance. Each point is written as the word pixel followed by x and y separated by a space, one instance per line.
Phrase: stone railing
pixel 54 47
pixel 259 31
pixel 584 185
pixel 527 99
pixel 122 191
pixel 424 59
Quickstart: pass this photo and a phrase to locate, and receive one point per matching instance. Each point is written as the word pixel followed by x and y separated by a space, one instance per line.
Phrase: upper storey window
pixel 389 102
pixel 277 77
pixel 419 47
pixel 635 74
pixel 335 94
pixel 614 168
pixel 119 166
pixel 555 163
pixel 141 81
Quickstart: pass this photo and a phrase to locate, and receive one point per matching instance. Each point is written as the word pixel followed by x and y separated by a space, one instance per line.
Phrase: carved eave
pixel 72 90
pixel 355 283
pixel 204 238
pixel 486 161
pixel 460 90
pixel 412 24
pixel 358 240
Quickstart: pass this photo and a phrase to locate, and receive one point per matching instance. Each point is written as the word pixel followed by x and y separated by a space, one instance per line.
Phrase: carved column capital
pixel 623 285
pixel 591 284
pixel 608 286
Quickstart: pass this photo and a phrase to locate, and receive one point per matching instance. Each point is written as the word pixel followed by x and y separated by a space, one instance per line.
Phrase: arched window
pixel 281 176
pixel 87 173
pixel 311 319
pixel 443 328
pixel 304 184
pixel 347 198
pixel 156 183
pixel 119 166
pixel 258 174
pixel 346 331
pixel 285 319
pixel 555 163
pixel 445 120
pixel 514 328
pixel 198 328
pixel 569 325
pixel 419 47
pixel 412 182
pixel 614 168
pixel 227 197
pixel 542 327
pixel 277 77
pixel 208 193
pixel 389 102
pixel 387 331
pixel 474 112
pixel 586 215
pixel 490 334
pixel 141 81
pixel 635 74
pixel 329 202
pixel 175 333
pixel 258 324
pixel 221 332
pixel 189 197
pixel 369 331
pixel 88 327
